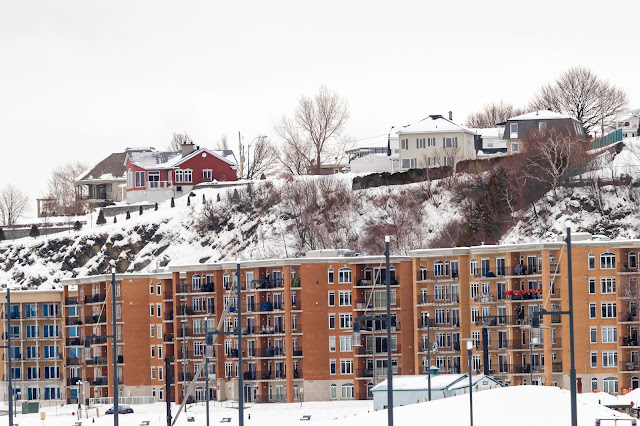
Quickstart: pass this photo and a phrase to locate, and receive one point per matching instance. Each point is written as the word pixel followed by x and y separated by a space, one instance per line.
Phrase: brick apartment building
pixel 298 314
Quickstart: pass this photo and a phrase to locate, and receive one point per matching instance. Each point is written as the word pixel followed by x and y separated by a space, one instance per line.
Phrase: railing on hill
pixel 611 138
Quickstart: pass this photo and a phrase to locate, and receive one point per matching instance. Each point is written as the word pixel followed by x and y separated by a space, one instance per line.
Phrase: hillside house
pixel 434 142
pixel 628 122
pixel 156 176
pixel 489 141
pixel 106 181
pixel 517 128
pixel 372 155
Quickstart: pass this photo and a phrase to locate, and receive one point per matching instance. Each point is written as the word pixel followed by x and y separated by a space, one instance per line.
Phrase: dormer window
pixel 513 130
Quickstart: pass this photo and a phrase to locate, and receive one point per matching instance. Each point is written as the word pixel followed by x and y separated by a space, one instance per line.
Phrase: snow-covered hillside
pixel 287 217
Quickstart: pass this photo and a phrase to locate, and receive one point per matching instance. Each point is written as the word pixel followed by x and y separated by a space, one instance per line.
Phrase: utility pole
pixel 240 150
pixel 10 352
pixel 167 384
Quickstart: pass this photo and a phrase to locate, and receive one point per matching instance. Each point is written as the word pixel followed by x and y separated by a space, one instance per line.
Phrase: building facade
pixel 298 316
pixel 38 341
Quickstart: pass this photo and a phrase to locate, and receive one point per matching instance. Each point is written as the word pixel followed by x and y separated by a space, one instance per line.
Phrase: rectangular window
pixel 404 144
pixel 179 176
pixel 450 142
pixel 608 285
pixel 592 286
pixel 332 343
pixel 431 141
pixel 332 321
pixel 345 343
pixel 593 334
pixel 608 310
pixel 513 130
pixel 345 320
pixel 345 298
pixel 153 373
pixel 332 298
pixel 609 334
pixel 346 366
pixel 332 366
pixel 409 163
pixel 420 143
pixel 592 310
pixel 594 359
pixel 188 175
pixel 139 179
pixel 515 147
pixel 152 330
pixel 206 174
pixel 151 310
pixel 432 161
pixel 609 359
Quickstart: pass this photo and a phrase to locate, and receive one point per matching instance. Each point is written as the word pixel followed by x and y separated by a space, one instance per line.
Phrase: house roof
pixel 539 115
pixel 110 169
pixel 434 124
pixel 420 382
pixel 155 159
pixel 474 379
pixel 225 155
pixel 490 132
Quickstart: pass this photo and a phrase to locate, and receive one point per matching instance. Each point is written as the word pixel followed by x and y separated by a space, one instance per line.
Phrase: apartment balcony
pixel 556 366
pixel 266 284
pixel 628 341
pixel 96 360
pixel 433 324
pixel 73 321
pixel 73 361
pixel 628 316
pixel 95 319
pixel 71 301
pixel 630 367
pixel 100 381
pixel 491 297
pixel 439 299
pixel 74 341
pixel 168 337
pixel 554 268
pixel 364 372
pixel 430 276
pixel 376 283
pixel 492 321
pixel 96 298
pixel 524 295
pixel 455 347
pixel 272 352
pixel 626 269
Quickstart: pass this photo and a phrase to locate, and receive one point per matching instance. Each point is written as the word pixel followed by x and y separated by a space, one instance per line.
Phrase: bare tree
pixel 581 94
pixel 223 143
pixel 61 185
pixel 177 140
pixel 317 123
pixel 13 204
pixel 296 155
pixel 548 155
pixel 261 157
pixel 492 114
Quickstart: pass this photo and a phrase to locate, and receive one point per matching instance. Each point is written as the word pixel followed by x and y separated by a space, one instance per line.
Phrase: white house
pixel 490 141
pixel 434 142
pixel 414 389
pixel 371 155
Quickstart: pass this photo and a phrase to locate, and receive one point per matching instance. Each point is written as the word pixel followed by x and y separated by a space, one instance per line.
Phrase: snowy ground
pixel 521 405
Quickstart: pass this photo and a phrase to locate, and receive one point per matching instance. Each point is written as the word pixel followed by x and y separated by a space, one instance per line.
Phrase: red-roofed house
pixel 156 176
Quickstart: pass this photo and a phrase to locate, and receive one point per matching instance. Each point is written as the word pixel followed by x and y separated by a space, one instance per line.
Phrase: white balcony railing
pixel 159 184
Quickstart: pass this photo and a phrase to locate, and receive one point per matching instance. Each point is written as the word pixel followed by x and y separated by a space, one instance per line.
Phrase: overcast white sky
pixel 82 79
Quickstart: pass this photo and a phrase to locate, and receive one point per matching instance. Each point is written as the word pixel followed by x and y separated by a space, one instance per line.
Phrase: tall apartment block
pixel 38 342
pixel 298 316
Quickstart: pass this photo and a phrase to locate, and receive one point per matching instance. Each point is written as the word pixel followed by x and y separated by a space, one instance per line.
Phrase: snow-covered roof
pixel 225 155
pixel 155 159
pixel 434 124
pixel 490 132
pixel 110 169
pixel 475 379
pixel 539 115
pixel 413 382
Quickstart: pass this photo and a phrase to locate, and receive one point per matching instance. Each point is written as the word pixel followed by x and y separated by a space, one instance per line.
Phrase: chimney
pixel 187 148
pixel 450 115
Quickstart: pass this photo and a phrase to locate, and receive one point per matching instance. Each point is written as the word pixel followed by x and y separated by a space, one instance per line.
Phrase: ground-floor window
pixel 610 385
pixel 594 384
pixel 347 391
pixel 333 393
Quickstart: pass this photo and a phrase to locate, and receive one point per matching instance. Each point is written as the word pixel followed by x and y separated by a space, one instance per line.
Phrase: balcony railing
pixel 489 297
pixel 159 184
pixel 432 276
pixel 439 299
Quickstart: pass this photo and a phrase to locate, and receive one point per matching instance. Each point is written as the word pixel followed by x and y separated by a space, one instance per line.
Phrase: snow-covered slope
pixel 287 217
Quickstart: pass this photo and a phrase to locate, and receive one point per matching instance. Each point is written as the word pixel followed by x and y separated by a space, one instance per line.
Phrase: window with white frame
pixel 333 391
pixel 330 275
pixel 609 334
pixel 592 286
pixel 438 268
pixel 608 285
pixel 409 163
pixel 515 147
pixel 346 366
pixel 608 310
pixel 347 391
pixel 344 298
pixel 431 141
pixel 607 261
pixel 513 130
pixel 139 179
pixel 195 282
pixel 332 343
pixel 593 334
pixel 345 320
pixel 423 273
pixel 421 143
pixel 344 276
pixel 432 161
pixel 188 175
pixel 610 385
pixel 206 174
pixel 129 179
pixel 332 299
pixel 450 142
pixel 404 144
pixel 609 359
pixel 179 176
pixel 473 267
pixel 592 310
pixel 332 366
pixel 345 343
pixel 594 359
pixel 332 321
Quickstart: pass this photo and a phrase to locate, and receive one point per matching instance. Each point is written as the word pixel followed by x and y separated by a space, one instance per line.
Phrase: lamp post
pixel 78 391
pixel 428 358
pixel 469 347
pixel 9 349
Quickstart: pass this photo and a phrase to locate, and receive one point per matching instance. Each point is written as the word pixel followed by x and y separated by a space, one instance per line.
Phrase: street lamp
pixel 78 393
pixel 469 347
pixel 9 348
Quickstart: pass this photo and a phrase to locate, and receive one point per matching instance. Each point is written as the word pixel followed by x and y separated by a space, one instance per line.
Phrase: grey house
pixel 517 128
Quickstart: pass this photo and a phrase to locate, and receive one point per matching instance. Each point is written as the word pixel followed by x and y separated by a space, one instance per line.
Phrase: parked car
pixel 122 409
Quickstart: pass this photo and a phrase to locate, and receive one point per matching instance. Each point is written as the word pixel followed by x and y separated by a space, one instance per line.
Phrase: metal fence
pixel 126 400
